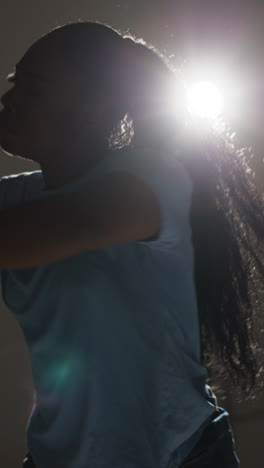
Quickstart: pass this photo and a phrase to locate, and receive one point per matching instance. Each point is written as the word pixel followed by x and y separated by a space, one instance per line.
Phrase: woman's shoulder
pixel 16 188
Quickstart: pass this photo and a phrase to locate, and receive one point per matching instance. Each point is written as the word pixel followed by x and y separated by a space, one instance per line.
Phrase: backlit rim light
pixel 204 100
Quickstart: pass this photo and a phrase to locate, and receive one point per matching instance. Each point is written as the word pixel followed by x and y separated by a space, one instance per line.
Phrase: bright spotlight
pixel 204 100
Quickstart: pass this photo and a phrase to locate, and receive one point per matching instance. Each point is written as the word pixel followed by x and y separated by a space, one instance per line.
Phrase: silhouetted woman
pixel 137 222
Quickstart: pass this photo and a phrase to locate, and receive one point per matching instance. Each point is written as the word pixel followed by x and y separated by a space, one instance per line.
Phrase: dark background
pixel 217 41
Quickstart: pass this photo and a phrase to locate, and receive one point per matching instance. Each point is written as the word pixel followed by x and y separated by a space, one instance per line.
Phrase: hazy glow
pixel 204 100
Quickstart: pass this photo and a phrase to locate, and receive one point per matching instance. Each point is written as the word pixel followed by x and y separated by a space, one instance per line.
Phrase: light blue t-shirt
pixel 113 334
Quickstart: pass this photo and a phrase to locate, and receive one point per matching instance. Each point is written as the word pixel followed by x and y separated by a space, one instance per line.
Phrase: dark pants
pixel 28 462
pixel 215 448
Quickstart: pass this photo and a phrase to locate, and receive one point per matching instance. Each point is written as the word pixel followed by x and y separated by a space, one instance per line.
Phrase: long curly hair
pixel 226 211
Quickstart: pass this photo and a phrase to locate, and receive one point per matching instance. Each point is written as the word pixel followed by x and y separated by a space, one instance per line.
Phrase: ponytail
pixel 226 219
pixel 227 233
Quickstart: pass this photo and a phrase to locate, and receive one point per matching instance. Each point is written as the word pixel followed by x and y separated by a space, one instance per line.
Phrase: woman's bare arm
pixel 117 208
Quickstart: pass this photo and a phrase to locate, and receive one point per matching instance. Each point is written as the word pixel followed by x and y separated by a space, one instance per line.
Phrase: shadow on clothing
pixel 215 448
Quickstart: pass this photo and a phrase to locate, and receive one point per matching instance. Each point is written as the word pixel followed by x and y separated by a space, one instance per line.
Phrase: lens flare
pixel 204 100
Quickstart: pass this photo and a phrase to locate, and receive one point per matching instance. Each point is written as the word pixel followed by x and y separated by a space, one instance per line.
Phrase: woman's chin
pixel 8 144
pixel 5 133
pixel 5 143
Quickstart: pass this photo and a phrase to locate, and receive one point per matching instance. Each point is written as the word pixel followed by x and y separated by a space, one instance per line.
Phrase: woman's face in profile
pixel 45 111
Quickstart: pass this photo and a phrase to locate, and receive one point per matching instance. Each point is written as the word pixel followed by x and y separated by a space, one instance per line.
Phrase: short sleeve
pixel 168 179
pixel 170 182
pixel 17 188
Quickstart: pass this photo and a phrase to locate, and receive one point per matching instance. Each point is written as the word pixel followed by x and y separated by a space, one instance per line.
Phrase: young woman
pixel 134 225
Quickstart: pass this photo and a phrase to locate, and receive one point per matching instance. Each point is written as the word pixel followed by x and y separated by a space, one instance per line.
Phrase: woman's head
pixel 80 87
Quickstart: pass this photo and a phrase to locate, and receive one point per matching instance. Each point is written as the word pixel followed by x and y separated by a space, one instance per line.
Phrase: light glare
pixel 204 100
